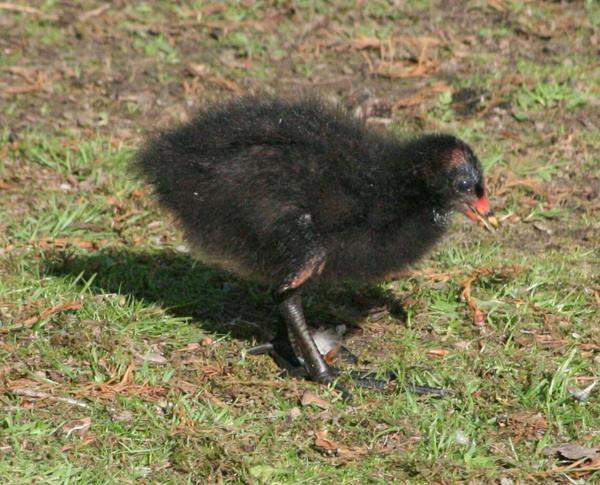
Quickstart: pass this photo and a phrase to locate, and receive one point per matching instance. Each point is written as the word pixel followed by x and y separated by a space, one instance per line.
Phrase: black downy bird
pixel 285 192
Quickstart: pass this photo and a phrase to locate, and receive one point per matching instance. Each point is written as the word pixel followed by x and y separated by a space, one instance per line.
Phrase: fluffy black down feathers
pixel 263 185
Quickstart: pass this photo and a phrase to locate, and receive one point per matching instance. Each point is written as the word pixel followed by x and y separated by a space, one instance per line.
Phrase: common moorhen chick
pixel 285 192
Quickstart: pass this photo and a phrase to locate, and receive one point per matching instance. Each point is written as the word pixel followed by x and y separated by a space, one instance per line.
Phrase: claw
pixel 346 395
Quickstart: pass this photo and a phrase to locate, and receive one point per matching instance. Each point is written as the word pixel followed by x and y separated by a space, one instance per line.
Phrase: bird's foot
pixel 390 381
pixel 330 378
pixel 365 379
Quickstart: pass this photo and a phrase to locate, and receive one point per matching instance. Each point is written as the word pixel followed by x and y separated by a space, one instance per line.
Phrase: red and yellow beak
pixel 480 208
pixel 479 211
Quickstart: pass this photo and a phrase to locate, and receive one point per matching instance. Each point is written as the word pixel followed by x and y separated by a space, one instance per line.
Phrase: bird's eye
pixel 464 186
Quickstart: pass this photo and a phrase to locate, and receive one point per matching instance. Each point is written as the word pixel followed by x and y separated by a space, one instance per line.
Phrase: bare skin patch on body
pixel 313 267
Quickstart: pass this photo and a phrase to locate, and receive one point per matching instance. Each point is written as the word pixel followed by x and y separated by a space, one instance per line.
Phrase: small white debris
pixel 326 340
pixel 460 438
pixel 583 394
pixel 294 413
pixel 156 241
pixel 543 228
pixel 154 224
pixel 152 357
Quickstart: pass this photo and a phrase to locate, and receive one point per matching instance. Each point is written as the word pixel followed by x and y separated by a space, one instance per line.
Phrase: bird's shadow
pixel 215 300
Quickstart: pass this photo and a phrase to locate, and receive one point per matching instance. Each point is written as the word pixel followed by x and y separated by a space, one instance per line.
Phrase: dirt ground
pixel 82 84
pixel 121 70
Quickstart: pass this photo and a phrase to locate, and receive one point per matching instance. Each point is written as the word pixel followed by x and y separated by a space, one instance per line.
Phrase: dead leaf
pixel 550 340
pixel 309 398
pixel 206 341
pixel 203 72
pixel 323 443
pixel 365 42
pixel 200 70
pixel 25 9
pixel 84 17
pixel 189 347
pixel 63 242
pixel 478 318
pixel 478 314
pixel 79 426
pixel 422 95
pixel 498 5
pixel 529 26
pixel 294 413
pixel 595 463
pixel 123 415
pixel 36 80
pixel 573 452
pixel 152 357
pixel 402 70
pixel 438 352
pixel 73 305
pixel 88 439
pixel 525 425
pixel 543 228
pixel 213 370
pixel 30 392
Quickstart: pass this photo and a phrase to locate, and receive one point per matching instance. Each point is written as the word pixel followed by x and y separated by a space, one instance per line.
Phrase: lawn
pixel 121 355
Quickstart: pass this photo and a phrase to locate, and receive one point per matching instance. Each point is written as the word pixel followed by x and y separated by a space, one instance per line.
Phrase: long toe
pixel 429 391
pixel 346 395
pixel 367 380
pixel 347 356
pixel 261 349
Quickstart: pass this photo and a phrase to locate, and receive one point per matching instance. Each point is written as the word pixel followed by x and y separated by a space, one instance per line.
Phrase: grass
pixel 134 347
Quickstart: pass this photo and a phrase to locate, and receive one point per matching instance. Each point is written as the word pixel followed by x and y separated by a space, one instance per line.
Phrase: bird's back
pixel 235 169
pixel 239 172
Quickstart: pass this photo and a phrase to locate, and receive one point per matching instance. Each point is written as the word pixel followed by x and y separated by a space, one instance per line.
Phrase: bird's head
pixel 453 175
pixel 465 177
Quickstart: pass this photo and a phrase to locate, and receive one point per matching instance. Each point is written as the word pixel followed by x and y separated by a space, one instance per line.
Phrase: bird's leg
pixel 318 370
pixel 290 307
pixel 281 350
pixel 295 246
